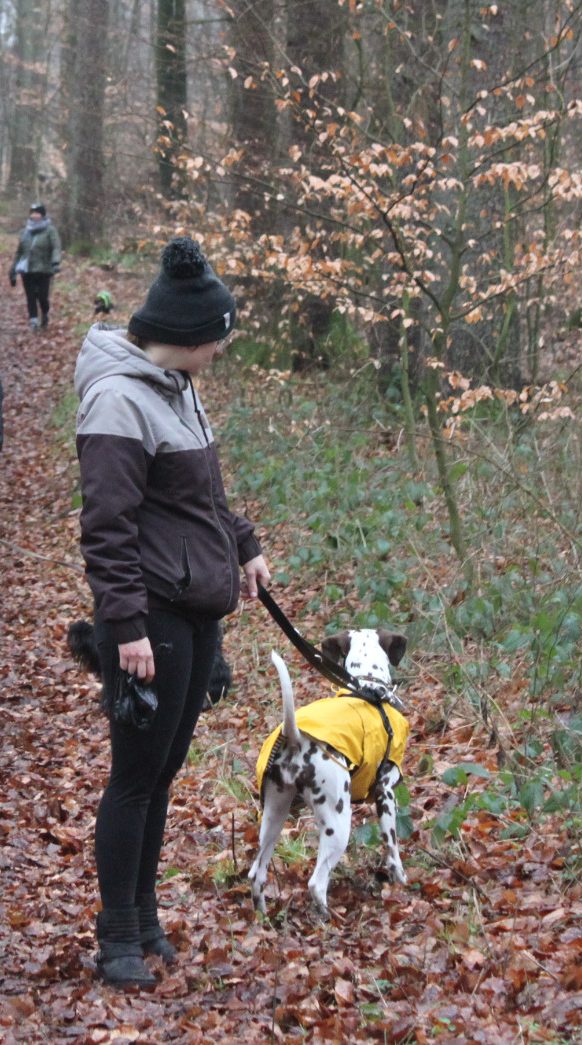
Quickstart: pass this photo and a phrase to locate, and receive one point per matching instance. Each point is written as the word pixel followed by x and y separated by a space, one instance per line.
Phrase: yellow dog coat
pixel 355 729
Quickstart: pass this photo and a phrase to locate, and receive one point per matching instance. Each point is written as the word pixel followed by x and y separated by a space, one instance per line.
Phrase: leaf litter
pixel 482 946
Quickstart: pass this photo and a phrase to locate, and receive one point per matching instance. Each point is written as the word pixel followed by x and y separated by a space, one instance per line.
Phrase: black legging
pixel 37 289
pixel 132 812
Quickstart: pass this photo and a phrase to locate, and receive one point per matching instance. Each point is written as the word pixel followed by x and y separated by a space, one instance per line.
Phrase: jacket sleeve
pixel 248 545
pixel 55 246
pixel 19 253
pixel 114 461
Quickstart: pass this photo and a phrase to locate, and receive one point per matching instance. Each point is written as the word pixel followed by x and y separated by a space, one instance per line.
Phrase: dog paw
pixel 319 913
pixel 396 875
pixel 258 898
pixel 319 905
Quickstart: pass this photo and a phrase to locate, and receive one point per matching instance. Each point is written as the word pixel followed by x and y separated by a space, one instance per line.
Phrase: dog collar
pixel 379 691
pixel 386 693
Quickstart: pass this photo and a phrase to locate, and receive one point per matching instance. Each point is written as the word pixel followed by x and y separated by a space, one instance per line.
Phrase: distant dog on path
pixel 103 303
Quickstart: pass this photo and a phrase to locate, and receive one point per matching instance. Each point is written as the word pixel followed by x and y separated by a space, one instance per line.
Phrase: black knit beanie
pixel 187 304
pixel 38 208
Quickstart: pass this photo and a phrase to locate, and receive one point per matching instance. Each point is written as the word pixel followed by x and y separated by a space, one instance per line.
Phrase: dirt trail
pixel 480 947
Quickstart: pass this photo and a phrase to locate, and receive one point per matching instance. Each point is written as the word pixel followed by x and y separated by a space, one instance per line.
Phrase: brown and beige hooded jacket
pixel 155 518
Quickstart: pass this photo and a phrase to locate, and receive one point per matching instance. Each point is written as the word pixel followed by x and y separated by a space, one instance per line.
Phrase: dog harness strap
pixel 385 720
pixel 376 702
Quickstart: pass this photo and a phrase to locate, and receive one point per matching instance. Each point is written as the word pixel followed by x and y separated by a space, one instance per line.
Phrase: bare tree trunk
pixel 316 34
pixel 408 406
pixel 84 212
pixel 28 95
pixel 253 115
pixel 172 92
pixel 5 101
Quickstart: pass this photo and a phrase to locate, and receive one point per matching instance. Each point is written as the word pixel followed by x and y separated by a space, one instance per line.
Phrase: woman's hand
pixel 256 572
pixel 137 659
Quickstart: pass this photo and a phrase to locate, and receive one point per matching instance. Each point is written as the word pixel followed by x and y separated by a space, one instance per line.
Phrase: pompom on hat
pixel 187 304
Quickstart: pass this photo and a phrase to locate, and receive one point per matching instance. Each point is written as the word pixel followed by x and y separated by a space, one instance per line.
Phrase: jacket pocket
pixel 186 572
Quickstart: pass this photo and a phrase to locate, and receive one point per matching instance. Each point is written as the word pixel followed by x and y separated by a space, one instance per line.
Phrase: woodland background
pixel 393 191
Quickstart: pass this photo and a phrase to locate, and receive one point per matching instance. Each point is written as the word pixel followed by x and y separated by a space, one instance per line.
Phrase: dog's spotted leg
pixel 332 809
pixel 387 779
pixel 277 803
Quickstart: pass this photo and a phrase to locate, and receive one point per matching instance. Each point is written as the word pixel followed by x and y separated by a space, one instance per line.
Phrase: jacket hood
pixel 107 353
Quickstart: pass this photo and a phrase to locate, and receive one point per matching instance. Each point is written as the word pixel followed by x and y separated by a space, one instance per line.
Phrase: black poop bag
pixel 134 703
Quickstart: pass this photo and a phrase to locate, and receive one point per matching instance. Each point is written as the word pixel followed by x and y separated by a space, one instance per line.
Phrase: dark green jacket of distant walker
pixel 42 248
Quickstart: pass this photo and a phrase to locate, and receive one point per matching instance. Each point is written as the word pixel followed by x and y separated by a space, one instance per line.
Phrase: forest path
pixel 479 947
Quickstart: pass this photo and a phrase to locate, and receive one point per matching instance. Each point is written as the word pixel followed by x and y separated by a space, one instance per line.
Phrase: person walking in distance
pixel 37 260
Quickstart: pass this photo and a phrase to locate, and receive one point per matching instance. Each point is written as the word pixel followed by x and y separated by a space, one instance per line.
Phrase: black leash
pixel 318 660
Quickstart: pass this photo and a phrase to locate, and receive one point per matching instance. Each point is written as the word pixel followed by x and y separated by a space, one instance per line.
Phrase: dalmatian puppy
pixel 331 752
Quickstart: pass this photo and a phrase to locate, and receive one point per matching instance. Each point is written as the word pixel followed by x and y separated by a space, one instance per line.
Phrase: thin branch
pixel 544 508
pixel 535 61
pixel 445 863
pixel 45 558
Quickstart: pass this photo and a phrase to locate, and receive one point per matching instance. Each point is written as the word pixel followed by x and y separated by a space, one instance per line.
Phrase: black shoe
pixel 120 960
pixel 161 947
pixel 151 935
pixel 44 320
pixel 125 971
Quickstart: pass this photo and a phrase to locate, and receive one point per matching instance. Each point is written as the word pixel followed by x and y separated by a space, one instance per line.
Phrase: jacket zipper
pixel 218 524
pixel 216 518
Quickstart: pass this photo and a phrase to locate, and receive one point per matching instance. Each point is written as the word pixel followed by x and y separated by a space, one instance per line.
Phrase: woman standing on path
pixel 162 551
pixel 37 259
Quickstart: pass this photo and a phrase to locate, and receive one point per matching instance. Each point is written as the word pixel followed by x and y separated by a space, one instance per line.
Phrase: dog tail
pixel 290 731
pixel 81 642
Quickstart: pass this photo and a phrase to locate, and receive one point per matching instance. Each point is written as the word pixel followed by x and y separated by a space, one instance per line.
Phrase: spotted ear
pixel 393 645
pixel 336 646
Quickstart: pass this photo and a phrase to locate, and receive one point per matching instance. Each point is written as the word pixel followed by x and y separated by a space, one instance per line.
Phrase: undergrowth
pixel 325 458
pixel 366 538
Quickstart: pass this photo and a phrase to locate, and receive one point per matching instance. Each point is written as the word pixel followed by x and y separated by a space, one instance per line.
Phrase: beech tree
pixel 84 212
pixel 252 113
pixel 171 92
pixel 28 95
pixel 441 227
